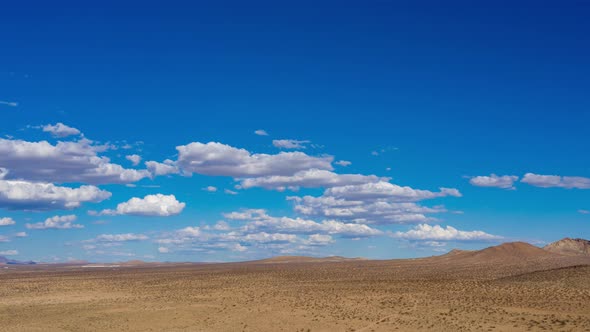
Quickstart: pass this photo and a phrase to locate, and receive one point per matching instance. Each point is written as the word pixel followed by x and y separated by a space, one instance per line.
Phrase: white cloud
pixel 190 231
pixel 4 238
pixel 504 181
pixel 210 189
pixel 21 234
pixel 347 229
pixel 194 239
pixel 8 103
pixel 290 144
pixel 311 178
pixel 165 168
pixel 9 252
pixel 584 211
pixel 114 253
pixel 184 235
pixel 238 248
pixel 46 196
pixel 435 244
pixel 64 162
pixel 319 240
pixel 548 181
pixel 260 221
pixel 387 190
pixel 230 192
pixel 120 237
pixel 364 212
pixel 343 163
pixel 151 205
pixel 223 160
pixel 6 221
pixel 163 250
pixel 246 214
pixel 135 159
pixel 56 222
pixel 221 226
pixel 60 130
pixel 261 132
pixel 264 237
pixel 438 233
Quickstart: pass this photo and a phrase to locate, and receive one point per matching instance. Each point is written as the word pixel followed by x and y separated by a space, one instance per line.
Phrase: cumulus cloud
pixel 56 222
pixel 64 162
pixel 165 168
pixel 221 226
pixel 264 237
pixel 230 192
pixel 9 252
pixel 343 163
pixel 259 221
pixel 6 221
pixel 135 159
pixel 26 195
pixel 290 144
pixel 163 250
pixel 364 212
pixel 120 237
pixel 311 178
pixel 191 239
pixel 218 159
pixel 549 181
pixel 151 205
pixel 184 235
pixel 261 132
pixel 60 130
pixel 438 233
pixel 504 181
pixel 359 198
pixel 21 234
pixel 319 240
pixel 387 190
pixel 210 189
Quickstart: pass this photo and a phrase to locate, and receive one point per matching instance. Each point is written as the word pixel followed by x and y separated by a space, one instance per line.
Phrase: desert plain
pixel 510 287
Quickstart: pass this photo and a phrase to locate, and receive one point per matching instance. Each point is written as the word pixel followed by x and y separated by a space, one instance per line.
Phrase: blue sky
pixel 488 102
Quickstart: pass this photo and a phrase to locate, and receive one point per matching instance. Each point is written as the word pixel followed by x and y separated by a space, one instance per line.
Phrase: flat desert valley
pixel 510 287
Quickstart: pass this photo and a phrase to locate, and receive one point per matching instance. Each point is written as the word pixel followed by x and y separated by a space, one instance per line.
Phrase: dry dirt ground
pixel 447 293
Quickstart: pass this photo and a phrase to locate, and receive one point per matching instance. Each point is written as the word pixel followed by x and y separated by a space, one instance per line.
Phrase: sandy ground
pixel 442 294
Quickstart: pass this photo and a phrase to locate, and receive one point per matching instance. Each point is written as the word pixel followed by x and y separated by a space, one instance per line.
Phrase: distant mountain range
pixel 506 252
pixel 4 260
pixel 306 259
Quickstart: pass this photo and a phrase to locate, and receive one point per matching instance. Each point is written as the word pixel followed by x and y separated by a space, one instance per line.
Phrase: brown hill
pixel 512 250
pixel 456 252
pixel 509 253
pixel 499 261
pixel 570 247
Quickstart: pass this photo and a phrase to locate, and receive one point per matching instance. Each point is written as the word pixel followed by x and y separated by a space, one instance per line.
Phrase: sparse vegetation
pixel 513 288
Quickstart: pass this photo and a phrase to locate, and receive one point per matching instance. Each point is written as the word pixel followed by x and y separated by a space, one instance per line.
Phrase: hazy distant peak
pixel 570 247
